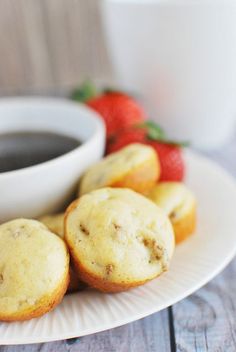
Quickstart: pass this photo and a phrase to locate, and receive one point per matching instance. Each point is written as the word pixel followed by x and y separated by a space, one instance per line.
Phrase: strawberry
pixel 169 152
pixel 125 137
pixel 117 109
pixel 171 161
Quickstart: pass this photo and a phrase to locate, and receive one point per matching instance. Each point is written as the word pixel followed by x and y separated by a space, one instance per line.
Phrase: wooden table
pixel 205 321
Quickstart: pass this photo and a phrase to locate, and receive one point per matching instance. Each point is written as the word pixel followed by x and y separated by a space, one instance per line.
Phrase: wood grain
pixel 50 44
pixel 150 335
pixel 206 321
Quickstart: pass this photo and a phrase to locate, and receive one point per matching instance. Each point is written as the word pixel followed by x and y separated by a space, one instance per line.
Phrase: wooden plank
pixel 11 68
pixel 206 321
pixel 75 40
pixel 24 56
pixel 50 44
pixel 150 335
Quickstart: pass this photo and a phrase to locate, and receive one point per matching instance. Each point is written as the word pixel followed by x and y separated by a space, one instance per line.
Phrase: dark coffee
pixel 22 149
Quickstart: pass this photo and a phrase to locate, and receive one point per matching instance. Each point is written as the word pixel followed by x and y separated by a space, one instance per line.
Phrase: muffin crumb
pixel 84 229
pixel 116 226
pixel 172 215
pixel 109 269
pixel 16 233
pixel 156 250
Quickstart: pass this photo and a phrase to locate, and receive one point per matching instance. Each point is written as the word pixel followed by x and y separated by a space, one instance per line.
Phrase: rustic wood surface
pixel 50 44
pixel 123 339
pixel 205 321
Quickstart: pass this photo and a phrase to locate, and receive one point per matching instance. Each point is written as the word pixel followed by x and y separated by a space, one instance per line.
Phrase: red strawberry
pixel 169 153
pixel 118 111
pixel 171 160
pixel 125 137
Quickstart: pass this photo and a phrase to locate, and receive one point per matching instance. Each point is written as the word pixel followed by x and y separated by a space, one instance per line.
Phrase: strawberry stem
pixel 156 133
pixel 110 90
pixel 84 92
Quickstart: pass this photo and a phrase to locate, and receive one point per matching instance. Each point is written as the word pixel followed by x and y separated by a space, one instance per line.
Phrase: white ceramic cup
pixel 180 55
pixel 44 188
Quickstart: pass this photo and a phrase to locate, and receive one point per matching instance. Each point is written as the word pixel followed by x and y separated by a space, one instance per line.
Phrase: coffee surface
pixel 23 149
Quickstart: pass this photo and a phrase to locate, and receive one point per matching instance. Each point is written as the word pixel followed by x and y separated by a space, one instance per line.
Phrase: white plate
pixel 195 262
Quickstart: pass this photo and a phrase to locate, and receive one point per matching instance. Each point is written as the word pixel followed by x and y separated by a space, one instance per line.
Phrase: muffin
pixel 55 223
pixel 179 204
pixel 34 270
pixel 118 239
pixel 135 166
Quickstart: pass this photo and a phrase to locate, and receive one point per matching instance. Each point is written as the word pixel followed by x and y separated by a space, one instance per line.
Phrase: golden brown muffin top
pixel 55 223
pixel 33 262
pixel 119 234
pixel 174 198
pixel 113 167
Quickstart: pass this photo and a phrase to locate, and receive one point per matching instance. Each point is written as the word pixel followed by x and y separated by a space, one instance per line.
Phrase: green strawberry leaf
pixel 84 93
pixel 156 133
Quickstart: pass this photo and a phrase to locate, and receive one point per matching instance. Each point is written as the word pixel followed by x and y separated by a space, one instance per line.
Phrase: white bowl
pixel 44 188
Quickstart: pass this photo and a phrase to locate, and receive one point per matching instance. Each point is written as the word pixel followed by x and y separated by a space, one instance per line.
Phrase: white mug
pixel 180 55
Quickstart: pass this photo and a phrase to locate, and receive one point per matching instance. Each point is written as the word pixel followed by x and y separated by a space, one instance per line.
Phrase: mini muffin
pixel 55 223
pixel 179 204
pixel 118 239
pixel 34 270
pixel 135 166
